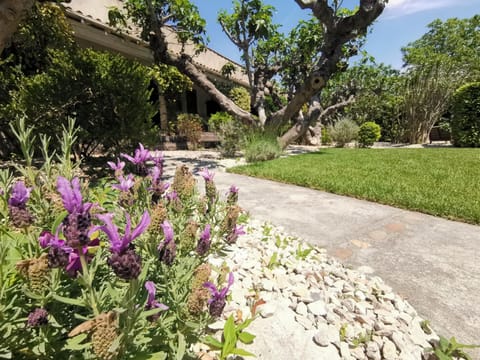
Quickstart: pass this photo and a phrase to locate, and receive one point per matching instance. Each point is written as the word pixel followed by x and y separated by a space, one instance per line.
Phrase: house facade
pixel 90 23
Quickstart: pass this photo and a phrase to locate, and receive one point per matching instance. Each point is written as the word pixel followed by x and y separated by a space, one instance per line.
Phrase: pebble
pixel 334 307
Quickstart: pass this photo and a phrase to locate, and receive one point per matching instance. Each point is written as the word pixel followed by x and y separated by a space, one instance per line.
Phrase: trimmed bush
pixel 368 133
pixel 343 132
pixel 190 126
pixel 241 97
pixel 466 116
pixel 229 131
pixel 261 146
pixel 326 140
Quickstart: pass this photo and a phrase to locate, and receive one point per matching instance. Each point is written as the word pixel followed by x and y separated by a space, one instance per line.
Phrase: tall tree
pixel 250 26
pixel 11 14
pixel 454 40
pixel 158 18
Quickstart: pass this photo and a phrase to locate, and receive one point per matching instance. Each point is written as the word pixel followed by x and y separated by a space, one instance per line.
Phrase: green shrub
pixel 127 291
pixel 261 146
pixel 343 132
pixel 241 97
pixel 466 116
pixel 326 139
pixel 218 119
pixel 106 94
pixel 368 133
pixel 229 131
pixel 190 126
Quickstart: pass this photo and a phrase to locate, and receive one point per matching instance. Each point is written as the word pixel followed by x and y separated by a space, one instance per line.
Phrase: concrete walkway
pixel 432 262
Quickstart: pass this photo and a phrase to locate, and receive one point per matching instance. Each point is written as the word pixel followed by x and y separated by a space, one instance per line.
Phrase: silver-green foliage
pixel 343 132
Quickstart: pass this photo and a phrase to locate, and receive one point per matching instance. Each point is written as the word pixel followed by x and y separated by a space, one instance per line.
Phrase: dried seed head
pixel 104 334
pixel 188 236
pixel 211 191
pixel 230 220
pixel 36 271
pixel 183 182
pixel 20 216
pixel 158 216
pixel 200 276
pixel 197 301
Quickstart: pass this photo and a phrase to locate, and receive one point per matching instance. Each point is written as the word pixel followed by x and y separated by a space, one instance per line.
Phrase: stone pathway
pixel 431 262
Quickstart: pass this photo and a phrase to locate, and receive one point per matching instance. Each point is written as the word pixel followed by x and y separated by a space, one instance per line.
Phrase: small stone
pixel 358 353
pixel 301 309
pixel 322 338
pixel 360 295
pixel 330 352
pixel 317 308
pixel 217 325
pixel 267 310
pixel 389 350
pixel 345 351
pixel 373 351
pixel 267 285
pixel 305 322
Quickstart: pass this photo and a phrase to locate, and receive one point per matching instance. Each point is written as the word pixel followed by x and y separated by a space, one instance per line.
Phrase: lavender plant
pixel 112 271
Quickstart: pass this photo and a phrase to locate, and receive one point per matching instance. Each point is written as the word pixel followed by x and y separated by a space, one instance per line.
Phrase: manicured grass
pixel 439 181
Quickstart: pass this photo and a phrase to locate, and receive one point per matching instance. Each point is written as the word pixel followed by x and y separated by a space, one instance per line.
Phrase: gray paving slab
pixel 432 262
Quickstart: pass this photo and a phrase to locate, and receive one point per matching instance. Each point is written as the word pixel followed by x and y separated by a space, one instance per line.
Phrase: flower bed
pixel 114 270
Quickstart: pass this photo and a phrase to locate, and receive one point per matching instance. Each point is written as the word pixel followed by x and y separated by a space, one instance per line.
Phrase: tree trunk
pixel 314 116
pixel 11 13
pixel 162 104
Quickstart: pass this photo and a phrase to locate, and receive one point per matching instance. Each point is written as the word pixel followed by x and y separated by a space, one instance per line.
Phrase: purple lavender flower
pixel 20 195
pixel 233 236
pixel 45 239
pixel 139 159
pixel 206 174
pixel 118 243
pixel 204 243
pixel 72 196
pixel 217 302
pixel 126 183
pixel 158 159
pixel 74 265
pixel 151 302
pixel 167 249
pixel 37 318
pixel 126 264
pixel 172 196
pixel 141 155
pixel 118 167
pixel 17 209
pixel 158 187
pixel 232 195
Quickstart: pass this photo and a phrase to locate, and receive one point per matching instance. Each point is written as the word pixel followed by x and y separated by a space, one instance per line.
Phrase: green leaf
pixel 443 344
pixel 69 301
pixel 242 352
pixel 246 337
pixel 155 356
pixel 58 221
pixel 244 324
pixel 75 343
pixel 212 342
pixel 441 355
pixel 181 347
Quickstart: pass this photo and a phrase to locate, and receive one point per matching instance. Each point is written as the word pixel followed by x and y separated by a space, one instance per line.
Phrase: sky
pixel 402 22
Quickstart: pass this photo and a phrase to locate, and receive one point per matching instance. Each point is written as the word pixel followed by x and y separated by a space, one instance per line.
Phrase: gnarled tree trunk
pixel 11 13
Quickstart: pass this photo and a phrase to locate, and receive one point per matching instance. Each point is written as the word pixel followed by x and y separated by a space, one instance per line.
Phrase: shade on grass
pixel 442 181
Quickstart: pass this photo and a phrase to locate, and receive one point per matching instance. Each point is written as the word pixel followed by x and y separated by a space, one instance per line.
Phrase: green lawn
pixel 441 181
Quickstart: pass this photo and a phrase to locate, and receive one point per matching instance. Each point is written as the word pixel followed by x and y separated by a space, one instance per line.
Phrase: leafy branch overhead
pixel 251 28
